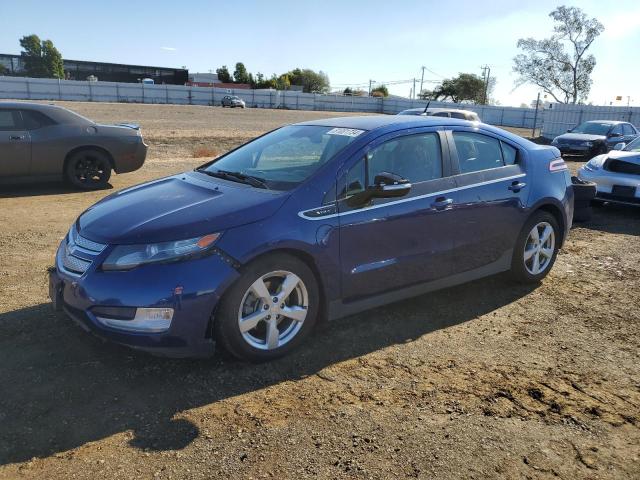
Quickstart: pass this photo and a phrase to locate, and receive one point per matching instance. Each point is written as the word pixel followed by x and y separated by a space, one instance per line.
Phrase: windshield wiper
pixel 236 177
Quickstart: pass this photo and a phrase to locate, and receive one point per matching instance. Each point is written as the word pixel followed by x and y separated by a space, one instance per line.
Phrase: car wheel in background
pixel 88 169
pixel 270 309
pixel 536 248
pixel 584 192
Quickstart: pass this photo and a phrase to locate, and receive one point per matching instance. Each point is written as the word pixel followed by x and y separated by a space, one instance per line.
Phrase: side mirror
pixel 614 135
pixel 619 146
pixel 386 185
pixel 570 130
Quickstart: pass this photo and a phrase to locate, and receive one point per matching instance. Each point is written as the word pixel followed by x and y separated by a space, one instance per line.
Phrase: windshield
pixel 412 112
pixel 592 128
pixel 633 146
pixel 286 157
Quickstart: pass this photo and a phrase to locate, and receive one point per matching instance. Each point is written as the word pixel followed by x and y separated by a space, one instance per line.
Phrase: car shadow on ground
pixel 612 218
pixel 63 387
pixel 23 189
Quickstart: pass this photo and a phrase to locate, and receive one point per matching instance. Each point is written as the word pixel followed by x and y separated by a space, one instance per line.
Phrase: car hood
pixel 580 136
pixel 632 157
pixel 179 207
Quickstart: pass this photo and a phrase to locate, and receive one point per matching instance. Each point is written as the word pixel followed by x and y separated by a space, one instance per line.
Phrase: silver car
pixel 233 101
pixel 443 112
pixel 616 174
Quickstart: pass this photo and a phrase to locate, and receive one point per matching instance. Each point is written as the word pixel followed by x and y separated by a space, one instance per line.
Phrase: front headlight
pixel 126 257
pixel 554 141
pixel 595 163
pixel 587 144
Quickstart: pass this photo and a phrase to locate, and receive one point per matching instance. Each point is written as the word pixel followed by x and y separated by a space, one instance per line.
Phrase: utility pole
pixel 535 117
pixel 414 88
pixel 422 79
pixel 370 83
pixel 486 75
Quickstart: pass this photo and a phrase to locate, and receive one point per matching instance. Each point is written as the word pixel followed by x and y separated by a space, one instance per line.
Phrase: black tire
pixel 88 169
pixel 226 321
pixel 519 270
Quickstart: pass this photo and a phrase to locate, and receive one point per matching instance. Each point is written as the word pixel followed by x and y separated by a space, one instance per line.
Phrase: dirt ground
pixel 484 380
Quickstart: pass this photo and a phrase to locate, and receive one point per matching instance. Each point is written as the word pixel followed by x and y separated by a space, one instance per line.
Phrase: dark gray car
pixel 594 137
pixel 40 140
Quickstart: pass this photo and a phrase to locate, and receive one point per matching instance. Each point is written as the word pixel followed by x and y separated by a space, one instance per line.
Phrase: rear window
pixel 8 120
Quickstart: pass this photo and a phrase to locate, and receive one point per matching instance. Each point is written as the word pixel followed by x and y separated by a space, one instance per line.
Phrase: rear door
pixel 493 189
pixel 629 133
pixel 15 144
pixel 390 243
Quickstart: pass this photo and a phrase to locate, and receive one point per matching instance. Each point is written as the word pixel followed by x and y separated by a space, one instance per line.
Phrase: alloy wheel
pixel 273 309
pixel 539 248
pixel 90 170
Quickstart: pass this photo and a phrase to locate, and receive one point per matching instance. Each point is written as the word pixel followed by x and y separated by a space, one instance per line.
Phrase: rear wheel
pixel 269 310
pixel 536 249
pixel 88 169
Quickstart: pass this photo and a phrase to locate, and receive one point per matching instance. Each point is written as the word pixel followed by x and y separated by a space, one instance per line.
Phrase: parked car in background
pixel 443 112
pixel 45 141
pixel 594 137
pixel 233 101
pixel 616 174
pixel 323 218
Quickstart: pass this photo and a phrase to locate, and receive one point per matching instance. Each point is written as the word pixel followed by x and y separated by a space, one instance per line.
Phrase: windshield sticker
pixel 347 132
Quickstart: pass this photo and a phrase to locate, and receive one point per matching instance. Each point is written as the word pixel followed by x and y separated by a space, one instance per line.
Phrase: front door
pixel 491 199
pixel 15 145
pixel 390 243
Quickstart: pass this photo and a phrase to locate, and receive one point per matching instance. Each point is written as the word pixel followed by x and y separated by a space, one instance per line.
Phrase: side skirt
pixel 339 309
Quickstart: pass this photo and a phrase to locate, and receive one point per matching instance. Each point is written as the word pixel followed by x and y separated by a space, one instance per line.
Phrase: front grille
pixel 77 253
pixel 74 264
pixel 620 166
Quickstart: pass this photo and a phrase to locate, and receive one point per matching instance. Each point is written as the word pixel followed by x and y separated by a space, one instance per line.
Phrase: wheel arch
pixel 557 213
pixel 88 147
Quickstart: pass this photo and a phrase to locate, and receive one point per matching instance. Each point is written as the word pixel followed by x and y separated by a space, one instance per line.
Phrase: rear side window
pixel 9 120
pixel 33 120
pixel 478 152
pixel 628 129
pixel 459 115
pixel 441 114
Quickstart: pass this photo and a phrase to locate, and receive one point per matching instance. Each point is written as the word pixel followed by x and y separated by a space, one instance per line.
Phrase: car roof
pixel 610 122
pixel 59 114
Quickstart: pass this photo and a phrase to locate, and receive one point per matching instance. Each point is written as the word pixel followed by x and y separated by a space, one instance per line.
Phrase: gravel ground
pixel 484 380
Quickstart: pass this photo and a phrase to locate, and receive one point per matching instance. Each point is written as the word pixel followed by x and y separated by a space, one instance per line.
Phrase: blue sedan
pixel 316 220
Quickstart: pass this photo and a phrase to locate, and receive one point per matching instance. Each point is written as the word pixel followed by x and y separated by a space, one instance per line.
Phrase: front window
pixel 283 159
pixel 633 146
pixel 592 128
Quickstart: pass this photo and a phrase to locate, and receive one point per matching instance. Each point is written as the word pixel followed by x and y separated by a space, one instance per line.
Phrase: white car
pixel 443 112
pixel 616 174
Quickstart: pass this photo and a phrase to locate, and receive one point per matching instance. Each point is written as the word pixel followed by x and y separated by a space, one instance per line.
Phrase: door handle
pixel 441 203
pixel 16 137
pixel 517 186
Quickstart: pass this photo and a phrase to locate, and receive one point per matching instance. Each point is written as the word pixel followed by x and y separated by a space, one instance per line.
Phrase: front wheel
pixel 269 310
pixel 536 249
pixel 88 169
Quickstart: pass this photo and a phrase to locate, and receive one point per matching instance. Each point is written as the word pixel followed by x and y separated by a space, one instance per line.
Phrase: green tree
pixel 465 87
pixel 566 76
pixel 380 91
pixel 309 80
pixel 41 58
pixel 52 60
pixel 3 70
pixel 240 74
pixel 347 91
pixel 223 74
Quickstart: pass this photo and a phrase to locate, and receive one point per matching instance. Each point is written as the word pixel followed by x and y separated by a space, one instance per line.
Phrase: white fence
pixel 559 118
pixel 553 121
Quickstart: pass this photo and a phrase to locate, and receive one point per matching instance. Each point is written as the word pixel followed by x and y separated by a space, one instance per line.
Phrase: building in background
pixel 106 72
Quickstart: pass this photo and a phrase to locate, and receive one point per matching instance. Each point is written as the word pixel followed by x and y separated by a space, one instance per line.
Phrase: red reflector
pixel 557 165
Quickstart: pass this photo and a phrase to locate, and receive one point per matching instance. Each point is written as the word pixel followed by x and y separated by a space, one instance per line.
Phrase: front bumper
pixel 132 160
pixel 191 288
pixel 606 183
pixel 577 150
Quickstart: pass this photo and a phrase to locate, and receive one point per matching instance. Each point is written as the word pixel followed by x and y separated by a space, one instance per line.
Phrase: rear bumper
pixel 133 160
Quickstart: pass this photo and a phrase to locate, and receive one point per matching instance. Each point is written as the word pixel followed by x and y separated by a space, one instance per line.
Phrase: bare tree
pixel 566 76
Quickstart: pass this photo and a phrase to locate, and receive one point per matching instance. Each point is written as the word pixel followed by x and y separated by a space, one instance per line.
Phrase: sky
pixel 353 42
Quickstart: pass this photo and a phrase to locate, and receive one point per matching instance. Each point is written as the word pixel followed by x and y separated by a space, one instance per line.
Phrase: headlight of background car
pixel 587 144
pixel 126 257
pixel 554 141
pixel 595 163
